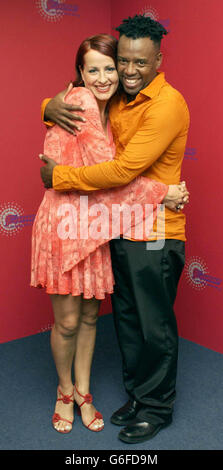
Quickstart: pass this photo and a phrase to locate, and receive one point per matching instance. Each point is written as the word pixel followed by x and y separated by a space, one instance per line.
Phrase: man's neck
pixel 130 98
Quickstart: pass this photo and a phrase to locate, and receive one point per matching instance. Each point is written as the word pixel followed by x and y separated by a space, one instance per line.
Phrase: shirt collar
pixel 150 91
pixel 154 87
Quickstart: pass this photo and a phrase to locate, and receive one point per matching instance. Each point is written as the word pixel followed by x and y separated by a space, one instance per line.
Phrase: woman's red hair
pixel 103 43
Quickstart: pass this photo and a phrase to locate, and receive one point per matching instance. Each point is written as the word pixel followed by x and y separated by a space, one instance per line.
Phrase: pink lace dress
pixel 69 254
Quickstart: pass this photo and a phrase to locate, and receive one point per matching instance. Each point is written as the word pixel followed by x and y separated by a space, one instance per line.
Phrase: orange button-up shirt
pixel 150 135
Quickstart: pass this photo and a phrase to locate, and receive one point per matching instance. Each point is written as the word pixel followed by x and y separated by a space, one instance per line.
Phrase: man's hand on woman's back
pixel 62 113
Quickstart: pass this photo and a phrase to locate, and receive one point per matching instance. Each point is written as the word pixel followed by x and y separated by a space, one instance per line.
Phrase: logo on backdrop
pixel 197 275
pixel 12 218
pixel 54 10
pixel 154 15
pixel 190 153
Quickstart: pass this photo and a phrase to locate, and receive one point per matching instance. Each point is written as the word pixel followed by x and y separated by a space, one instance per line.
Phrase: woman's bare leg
pixel 83 358
pixel 67 311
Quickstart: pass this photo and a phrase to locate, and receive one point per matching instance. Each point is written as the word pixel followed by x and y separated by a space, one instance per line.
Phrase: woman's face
pixel 100 75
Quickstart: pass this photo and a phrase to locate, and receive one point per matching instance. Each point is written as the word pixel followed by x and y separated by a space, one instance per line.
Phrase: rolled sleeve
pixel 43 107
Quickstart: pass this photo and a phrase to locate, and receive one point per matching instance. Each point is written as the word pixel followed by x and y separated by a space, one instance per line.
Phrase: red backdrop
pixel 39 42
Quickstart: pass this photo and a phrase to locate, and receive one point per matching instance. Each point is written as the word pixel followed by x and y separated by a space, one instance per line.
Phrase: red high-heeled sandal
pixel 66 399
pixel 88 399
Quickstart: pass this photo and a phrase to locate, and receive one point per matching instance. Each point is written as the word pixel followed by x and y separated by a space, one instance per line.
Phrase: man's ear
pixel 159 60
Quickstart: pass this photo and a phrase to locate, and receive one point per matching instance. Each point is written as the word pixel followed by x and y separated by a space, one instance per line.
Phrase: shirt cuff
pixel 61 178
pixel 43 107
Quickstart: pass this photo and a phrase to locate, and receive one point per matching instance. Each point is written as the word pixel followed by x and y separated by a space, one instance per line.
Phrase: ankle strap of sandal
pixel 66 399
pixel 87 398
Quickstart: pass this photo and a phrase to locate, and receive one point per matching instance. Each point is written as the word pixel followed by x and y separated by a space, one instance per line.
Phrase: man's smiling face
pixel 138 62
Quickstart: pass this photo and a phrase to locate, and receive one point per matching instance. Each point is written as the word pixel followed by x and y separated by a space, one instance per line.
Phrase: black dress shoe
pixel 140 431
pixel 126 414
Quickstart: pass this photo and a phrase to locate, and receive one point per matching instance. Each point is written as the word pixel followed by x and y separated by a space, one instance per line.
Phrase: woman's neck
pixel 102 105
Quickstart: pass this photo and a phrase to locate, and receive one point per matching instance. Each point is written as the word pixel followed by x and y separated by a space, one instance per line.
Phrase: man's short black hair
pixel 141 26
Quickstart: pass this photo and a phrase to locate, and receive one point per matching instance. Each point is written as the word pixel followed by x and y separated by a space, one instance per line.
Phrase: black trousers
pixel 145 290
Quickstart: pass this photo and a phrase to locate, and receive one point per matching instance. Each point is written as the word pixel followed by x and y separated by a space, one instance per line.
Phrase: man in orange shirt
pixel 150 122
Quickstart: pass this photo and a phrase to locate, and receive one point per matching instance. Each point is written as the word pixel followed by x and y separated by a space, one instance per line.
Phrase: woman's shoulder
pixel 80 95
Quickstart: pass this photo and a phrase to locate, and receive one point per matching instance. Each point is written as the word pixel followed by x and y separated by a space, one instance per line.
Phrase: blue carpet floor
pixel 28 390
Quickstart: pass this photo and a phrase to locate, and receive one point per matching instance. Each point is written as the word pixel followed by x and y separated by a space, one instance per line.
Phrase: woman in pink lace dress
pixel 75 269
